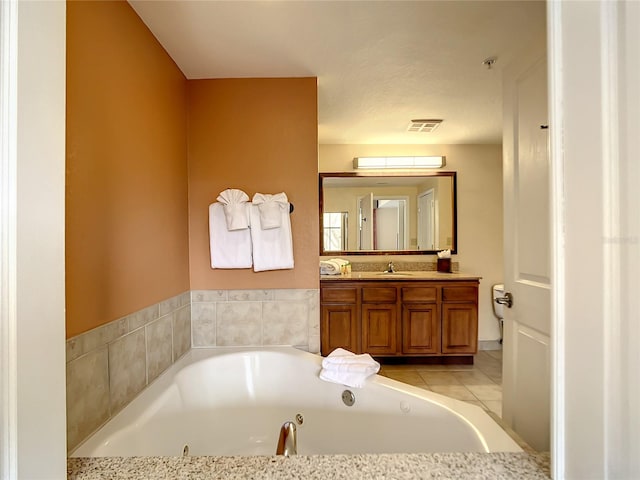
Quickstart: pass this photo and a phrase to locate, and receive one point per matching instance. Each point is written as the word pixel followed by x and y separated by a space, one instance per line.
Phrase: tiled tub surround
pixel 224 318
pixel 109 365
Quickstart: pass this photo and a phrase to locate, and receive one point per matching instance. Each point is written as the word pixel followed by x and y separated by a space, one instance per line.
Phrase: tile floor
pixel 479 384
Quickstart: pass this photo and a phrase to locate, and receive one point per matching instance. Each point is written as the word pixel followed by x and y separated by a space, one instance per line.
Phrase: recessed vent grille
pixel 422 125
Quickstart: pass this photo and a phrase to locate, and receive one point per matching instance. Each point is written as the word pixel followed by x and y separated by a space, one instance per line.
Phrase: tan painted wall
pixel 479 181
pixel 126 205
pixel 258 135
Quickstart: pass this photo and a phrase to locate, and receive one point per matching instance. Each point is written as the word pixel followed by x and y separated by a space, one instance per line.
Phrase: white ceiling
pixel 379 64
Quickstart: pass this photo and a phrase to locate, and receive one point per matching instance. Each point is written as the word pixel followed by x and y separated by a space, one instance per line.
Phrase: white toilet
pixel 498 309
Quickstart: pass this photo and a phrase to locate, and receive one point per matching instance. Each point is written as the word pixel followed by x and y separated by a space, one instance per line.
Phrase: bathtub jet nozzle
pixel 287 442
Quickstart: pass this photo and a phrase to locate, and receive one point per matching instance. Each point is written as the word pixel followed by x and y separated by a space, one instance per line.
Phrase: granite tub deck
pixel 458 466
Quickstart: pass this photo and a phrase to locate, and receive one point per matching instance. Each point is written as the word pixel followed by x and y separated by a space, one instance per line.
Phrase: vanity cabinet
pixel 400 318
pixel 339 318
pixel 379 320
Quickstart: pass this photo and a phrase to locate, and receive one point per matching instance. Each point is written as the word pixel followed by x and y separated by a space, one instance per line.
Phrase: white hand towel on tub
pixel 347 368
pixel 229 249
pixel 271 208
pixel 234 203
pixel 272 248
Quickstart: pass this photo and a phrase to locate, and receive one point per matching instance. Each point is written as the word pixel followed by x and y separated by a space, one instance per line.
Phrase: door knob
pixel 506 300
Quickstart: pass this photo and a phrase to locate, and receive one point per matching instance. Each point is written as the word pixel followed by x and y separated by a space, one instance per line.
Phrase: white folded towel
pixel 333 266
pixel 229 249
pixel 272 248
pixel 347 368
pixel 271 208
pixel 234 202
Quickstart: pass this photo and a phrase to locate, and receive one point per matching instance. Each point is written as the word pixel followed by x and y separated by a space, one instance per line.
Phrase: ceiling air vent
pixel 426 126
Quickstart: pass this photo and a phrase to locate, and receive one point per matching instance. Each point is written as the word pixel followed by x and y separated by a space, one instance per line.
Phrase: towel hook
pixel 290 208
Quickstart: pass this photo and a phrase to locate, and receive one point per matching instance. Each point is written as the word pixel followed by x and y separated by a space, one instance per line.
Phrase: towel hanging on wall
pixel 271 208
pixel 272 247
pixel 228 248
pixel 234 203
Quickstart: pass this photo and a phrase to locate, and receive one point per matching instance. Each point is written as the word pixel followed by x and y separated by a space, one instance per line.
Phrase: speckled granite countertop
pixel 402 276
pixel 458 466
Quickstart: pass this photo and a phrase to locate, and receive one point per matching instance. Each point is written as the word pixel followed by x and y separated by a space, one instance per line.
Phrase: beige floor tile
pixel 497 379
pixel 494 406
pixel 497 354
pixel 407 376
pixel 485 361
pixel 458 392
pixel 396 368
pixel 439 378
pixel 477 403
pixel 443 368
pixel 474 377
pixel 486 392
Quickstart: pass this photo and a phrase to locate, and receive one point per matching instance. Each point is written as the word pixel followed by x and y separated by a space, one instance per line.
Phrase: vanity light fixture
pixel 398 162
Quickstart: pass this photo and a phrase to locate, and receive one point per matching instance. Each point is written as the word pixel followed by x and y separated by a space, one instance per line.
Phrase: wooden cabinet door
pixel 379 328
pixel 339 327
pixel 420 328
pixel 459 328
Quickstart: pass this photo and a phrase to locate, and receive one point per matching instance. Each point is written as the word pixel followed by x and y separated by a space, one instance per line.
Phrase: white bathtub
pixel 233 402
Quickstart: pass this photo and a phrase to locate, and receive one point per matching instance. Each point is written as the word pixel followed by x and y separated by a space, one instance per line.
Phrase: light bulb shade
pixel 398 162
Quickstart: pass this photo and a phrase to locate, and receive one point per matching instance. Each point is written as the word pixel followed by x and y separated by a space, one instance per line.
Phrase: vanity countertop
pixel 402 276
pixel 461 466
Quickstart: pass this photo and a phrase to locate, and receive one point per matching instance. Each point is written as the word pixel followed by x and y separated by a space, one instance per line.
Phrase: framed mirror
pixel 387 213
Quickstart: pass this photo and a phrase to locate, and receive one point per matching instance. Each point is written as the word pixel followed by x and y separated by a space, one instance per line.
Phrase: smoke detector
pixel 424 125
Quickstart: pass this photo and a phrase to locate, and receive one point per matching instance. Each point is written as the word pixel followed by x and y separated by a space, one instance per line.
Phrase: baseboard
pixel 489 345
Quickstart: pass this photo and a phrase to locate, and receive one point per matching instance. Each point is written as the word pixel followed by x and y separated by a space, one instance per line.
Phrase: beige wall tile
pixel 142 317
pixel 250 295
pixel 96 338
pixel 169 305
pixel 159 346
pixel 203 324
pixel 208 296
pixel 181 332
pixel 285 323
pixel 127 368
pixel 314 343
pixel 239 323
pixel 87 395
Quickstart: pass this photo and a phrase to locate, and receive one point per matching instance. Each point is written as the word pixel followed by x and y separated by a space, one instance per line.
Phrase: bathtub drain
pixel 299 419
pixel 348 398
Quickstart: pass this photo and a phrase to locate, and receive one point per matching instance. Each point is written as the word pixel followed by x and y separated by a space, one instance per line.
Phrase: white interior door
pixel 526 356
pixel 426 221
pixel 387 228
pixel 366 222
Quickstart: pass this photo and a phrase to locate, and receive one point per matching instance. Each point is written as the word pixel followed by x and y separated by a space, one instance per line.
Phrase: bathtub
pixel 223 401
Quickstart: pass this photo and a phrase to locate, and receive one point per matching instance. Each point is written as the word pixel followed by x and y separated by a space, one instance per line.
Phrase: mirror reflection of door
pixel 389 223
pixel 427 220
pixel 365 222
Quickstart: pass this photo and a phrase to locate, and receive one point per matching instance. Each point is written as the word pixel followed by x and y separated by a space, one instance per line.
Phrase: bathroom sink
pixel 395 274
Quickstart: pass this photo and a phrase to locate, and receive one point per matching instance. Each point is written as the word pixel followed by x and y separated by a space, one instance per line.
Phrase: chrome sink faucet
pixel 390 268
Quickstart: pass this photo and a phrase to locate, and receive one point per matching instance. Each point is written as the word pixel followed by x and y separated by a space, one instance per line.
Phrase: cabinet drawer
pixel 419 294
pixel 459 294
pixel 339 295
pixel 379 295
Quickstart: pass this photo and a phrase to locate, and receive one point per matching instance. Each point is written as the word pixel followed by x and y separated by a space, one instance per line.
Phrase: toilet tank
pixel 496 292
